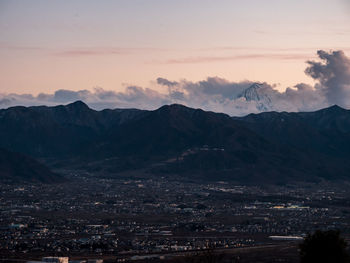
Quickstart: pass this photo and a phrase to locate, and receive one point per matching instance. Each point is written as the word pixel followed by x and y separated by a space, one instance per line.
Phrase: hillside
pixel 15 167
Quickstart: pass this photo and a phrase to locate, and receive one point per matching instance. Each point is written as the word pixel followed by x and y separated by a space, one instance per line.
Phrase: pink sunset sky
pixel 76 45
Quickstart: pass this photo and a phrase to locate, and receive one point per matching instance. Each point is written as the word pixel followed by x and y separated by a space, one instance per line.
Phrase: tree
pixel 324 247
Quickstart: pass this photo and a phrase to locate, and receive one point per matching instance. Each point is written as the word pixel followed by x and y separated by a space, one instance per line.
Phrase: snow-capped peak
pixel 255 94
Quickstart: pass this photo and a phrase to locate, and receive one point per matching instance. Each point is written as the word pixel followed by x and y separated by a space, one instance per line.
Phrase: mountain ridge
pixel 268 147
pixel 325 131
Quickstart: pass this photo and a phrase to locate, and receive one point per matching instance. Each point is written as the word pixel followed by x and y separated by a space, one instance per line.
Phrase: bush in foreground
pixel 324 247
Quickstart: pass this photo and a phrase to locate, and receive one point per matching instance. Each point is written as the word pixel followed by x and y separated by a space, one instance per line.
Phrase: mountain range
pixel 182 142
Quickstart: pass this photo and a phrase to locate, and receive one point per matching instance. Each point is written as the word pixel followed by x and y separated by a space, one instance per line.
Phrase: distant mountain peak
pixel 254 93
pixel 174 108
pixel 333 109
pixel 77 105
pixel 255 85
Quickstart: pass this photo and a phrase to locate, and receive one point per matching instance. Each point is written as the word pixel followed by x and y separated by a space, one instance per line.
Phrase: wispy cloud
pixel 13 47
pixel 209 59
pixel 272 50
pixel 100 51
pixel 80 51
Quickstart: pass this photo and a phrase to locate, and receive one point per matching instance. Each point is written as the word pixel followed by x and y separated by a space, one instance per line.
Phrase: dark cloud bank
pixel 331 73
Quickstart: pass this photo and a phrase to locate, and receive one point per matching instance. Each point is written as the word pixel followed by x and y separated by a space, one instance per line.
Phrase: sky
pixel 115 46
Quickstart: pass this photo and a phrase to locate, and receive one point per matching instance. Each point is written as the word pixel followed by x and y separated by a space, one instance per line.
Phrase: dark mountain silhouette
pixel 59 131
pixel 183 142
pixel 16 167
pixel 172 129
pixel 326 131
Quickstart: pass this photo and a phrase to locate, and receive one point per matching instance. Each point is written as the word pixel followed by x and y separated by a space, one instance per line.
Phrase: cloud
pixel 98 98
pixel 7 46
pixel 68 95
pixel 80 51
pixel 165 82
pixel 214 94
pixel 100 51
pixel 209 59
pixel 331 73
pixel 5 102
pixel 333 76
